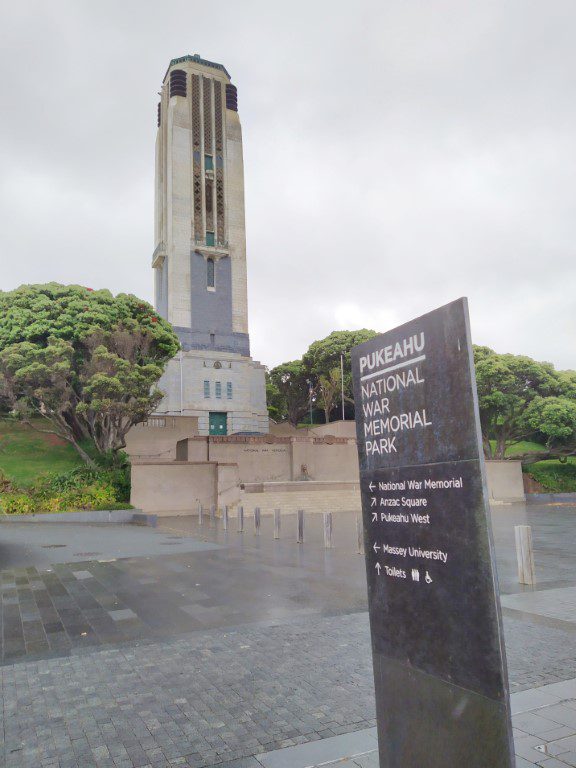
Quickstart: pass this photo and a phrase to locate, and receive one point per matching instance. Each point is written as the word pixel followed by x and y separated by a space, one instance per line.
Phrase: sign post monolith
pixel 442 695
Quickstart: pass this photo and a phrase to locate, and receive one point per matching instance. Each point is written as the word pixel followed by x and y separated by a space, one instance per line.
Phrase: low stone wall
pixel 89 516
pixel 158 437
pixel 322 470
pixel 551 498
pixel 504 480
pixel 311 496
pixel 267 458
pixel 173 487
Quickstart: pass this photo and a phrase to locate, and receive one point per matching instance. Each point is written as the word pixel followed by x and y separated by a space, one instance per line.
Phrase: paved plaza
pixel 125 646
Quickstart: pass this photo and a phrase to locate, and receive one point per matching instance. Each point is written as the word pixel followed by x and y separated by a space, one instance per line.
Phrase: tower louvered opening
pixel 159 114
pixel 231 97
pixel 177 83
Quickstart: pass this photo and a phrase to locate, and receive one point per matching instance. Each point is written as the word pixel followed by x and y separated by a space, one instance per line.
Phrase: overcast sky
pixel 398 155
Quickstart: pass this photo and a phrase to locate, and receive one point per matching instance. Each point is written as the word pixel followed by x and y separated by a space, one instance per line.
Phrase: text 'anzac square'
pixel 199 258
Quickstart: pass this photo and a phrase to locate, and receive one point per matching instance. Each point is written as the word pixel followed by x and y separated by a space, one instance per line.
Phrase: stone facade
pixel 199 258
pixel 315 470
pixel 197 384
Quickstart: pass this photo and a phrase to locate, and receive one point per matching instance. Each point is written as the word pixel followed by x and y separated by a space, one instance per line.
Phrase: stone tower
pixel 199 259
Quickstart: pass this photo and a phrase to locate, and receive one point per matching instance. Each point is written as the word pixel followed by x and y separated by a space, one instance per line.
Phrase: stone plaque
pixel 442 696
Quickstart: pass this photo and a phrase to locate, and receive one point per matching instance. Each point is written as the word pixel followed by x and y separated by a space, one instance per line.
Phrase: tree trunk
pixel 68 436
pixel 500 447
pixel 85 457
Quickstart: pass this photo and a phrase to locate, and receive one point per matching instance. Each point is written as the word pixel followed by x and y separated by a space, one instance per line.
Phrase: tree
pixel 274 399
pixel 323 357
pixel 291 390
pixel 554 419
pixel 86 361
pixel 520 398
pixel 329 388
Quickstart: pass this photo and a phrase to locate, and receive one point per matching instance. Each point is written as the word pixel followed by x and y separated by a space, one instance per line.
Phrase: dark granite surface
pixel 435 618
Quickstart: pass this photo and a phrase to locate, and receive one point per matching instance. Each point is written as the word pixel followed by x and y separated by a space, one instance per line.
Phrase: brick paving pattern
pixel 196 701
pixel 235 647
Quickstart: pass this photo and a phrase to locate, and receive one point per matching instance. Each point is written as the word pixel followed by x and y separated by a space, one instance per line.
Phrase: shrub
pixel 17 504
pixel 6 486
pixel 554 476
pixel 78 489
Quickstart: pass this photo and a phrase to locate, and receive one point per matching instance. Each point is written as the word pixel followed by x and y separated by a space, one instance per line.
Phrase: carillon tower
pixel 199 258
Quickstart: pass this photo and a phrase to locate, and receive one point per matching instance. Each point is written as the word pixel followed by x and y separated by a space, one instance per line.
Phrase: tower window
pixel 206 389
pixel 177 83
pixel 229 390
pixel 209 272
pixel 209 238
pixel 208 162
pixel 209 196
pixel 219 390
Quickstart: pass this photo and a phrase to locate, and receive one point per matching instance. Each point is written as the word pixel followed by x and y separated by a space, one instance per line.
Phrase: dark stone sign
pixel 441 685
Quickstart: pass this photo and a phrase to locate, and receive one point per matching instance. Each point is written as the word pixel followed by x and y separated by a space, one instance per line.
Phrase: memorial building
pixel 199 258
pixel 210 441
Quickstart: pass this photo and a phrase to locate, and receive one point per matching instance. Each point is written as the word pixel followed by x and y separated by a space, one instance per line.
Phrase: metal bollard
pixel 276 523
pixel 240 519
pixel 225 518
pixel 200 514
pixel 300 532
pixel 257 521
pixel 525 554
pixel 212 516
pixel 360 534
pixel 327 530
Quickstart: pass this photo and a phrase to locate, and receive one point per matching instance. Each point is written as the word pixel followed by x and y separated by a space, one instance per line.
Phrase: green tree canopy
pixel 86 360
pixel 317 375
pixel 514 394
pixel 288 392
pixel 322 359
pixel 554 420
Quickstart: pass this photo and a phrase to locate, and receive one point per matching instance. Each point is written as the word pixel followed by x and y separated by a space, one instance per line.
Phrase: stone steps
pixel 309 501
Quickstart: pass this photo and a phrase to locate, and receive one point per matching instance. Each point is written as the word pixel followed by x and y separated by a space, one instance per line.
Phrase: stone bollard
pixel 525 554
pixel 300 532
pixel 257 521
pixel 212 516
pixel 200 514
pixel 276 523
pixel 225 518
pixel 240 519
pixel 360 534
pixel 327 530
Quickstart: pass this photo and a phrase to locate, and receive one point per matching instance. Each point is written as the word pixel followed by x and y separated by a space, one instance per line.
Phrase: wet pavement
pixel 201 647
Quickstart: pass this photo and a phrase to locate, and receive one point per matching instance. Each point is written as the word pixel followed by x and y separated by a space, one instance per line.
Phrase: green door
pixel 218 424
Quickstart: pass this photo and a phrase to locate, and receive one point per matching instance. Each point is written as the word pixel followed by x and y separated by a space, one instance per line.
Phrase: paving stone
pixel 83 575
pixel 123 614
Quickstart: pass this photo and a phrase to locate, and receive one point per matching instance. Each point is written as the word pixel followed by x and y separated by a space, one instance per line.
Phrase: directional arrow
pixel 373 502
pixel 371 486
pixel 374 516
pixel 378 568
pixel 376 548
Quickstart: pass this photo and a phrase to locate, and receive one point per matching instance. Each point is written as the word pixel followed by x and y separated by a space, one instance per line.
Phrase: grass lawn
pixel 25 454
pixel 554 476
pixel 524 446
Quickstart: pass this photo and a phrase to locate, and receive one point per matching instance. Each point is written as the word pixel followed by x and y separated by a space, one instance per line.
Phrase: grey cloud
pixel 397 155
